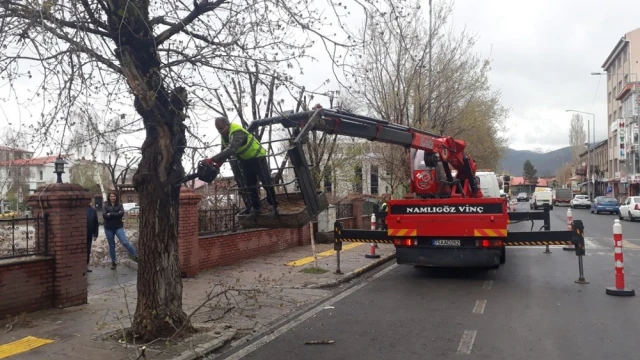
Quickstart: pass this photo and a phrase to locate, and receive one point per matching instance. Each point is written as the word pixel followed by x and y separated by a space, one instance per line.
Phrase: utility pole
pixel 429 86
pixel 589 158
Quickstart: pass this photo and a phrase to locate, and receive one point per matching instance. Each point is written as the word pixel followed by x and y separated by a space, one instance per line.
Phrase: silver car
pixel 581 201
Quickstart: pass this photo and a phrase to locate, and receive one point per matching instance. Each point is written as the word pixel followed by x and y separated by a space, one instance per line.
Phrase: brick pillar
pixel 188 245
pixel 67 236
pixel 357 213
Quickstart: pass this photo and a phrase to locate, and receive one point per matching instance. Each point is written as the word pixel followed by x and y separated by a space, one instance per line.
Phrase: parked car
pixel 581 201
pixel 605 204
pixel 630 209
pixel 522 197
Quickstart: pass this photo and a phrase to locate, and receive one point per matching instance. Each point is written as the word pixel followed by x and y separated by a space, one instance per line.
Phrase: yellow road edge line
pixel 309 259
pixel 22 345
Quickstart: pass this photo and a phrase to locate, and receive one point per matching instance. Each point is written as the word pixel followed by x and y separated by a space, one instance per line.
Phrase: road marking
pixel 629 245
pixel 22 345
pixel 377 275
pixel 466 343
pixel 487 284
pixel 309 259
pixel 479 308
pixel 263 341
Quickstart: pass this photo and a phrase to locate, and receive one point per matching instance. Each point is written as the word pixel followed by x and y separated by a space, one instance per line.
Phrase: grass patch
pixel 314 270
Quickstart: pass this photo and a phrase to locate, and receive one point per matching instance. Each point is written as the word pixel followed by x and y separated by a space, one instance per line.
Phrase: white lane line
pixel 263 341
pixel 384 271
pixel 479 308
pixel 487 284
pixel 466 343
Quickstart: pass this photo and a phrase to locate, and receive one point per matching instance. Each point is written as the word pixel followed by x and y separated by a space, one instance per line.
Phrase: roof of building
pixel 8 148
pixel 519 180
pixel 616 50
pixel 593 147
pixel 34 161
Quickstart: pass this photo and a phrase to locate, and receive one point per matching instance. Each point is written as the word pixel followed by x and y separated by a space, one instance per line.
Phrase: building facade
pixel 596 173
pixel 622 67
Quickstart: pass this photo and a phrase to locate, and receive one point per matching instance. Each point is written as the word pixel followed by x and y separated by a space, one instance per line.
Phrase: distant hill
pixel 546 163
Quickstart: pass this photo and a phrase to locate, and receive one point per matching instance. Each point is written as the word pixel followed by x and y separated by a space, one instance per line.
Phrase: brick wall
pixel 231 248
pixel 25 285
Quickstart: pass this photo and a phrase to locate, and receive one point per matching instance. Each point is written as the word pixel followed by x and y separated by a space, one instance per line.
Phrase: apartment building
pixel 622 66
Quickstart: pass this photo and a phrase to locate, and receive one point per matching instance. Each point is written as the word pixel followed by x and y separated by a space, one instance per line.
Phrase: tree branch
pixel 199 8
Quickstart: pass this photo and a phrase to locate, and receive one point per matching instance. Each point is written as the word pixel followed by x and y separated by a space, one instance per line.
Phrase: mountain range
pixel 547 163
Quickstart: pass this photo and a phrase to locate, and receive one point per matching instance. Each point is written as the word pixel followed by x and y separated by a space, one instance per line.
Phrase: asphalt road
pixel 529 308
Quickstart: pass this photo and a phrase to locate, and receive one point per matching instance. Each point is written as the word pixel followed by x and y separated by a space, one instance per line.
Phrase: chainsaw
pixel 207 171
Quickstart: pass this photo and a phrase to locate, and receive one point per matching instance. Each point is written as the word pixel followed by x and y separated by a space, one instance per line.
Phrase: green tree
pixel 85 174
pixel 529 173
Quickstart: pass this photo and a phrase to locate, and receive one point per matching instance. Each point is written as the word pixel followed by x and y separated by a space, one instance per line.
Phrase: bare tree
pixel 15 172
pixel 392 79
pixel 577 138
pixel 97 52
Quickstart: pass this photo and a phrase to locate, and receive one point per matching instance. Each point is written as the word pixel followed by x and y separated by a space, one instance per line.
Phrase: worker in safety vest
pixel 383 211
pixel 252 157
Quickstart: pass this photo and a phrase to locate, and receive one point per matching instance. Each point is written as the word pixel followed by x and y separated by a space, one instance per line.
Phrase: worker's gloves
pixel 208 170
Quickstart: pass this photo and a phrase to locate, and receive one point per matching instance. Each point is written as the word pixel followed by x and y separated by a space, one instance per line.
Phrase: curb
pixel 201 350
pixel 355 273
pixel 130 264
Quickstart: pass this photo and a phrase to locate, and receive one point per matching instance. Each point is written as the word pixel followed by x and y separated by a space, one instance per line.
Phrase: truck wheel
pixel 503 255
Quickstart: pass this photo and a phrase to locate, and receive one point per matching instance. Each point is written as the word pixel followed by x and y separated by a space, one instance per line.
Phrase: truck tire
pixel 503 255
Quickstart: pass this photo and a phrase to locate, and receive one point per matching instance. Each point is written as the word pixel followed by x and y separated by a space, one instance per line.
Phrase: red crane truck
pixel 446 221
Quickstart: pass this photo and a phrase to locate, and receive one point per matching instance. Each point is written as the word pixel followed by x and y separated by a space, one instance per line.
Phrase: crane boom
pixel 432 150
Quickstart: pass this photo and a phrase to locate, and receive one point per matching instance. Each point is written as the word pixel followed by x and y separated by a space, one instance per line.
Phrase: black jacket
pixel 92 222
pixel 112 216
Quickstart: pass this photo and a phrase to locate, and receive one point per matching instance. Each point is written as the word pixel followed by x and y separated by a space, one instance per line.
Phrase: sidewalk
pixel 233 301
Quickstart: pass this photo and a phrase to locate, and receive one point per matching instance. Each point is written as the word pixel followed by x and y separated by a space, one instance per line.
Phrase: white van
pixel 489 184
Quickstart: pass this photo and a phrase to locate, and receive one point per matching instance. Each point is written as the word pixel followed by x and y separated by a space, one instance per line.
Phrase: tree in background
pixel 564 174
pixel 393 80
pixel 577 138
pixel 13 176
pixel 529 173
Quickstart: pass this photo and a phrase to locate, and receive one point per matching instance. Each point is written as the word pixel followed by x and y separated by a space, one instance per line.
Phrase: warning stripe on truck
pixel 402 232
pixel 490 232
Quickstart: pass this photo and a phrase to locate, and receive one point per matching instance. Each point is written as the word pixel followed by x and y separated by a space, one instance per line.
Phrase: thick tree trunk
pixel 159 308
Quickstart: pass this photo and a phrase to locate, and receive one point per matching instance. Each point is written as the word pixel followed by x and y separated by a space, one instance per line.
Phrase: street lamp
pixel 59 169
pixel 589 187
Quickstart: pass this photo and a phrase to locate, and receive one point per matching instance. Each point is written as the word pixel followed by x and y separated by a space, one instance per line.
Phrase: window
pixel 374 180
pixel 130 198
pixel 41 175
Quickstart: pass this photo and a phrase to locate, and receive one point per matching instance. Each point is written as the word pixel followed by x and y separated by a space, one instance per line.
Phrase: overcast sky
pixel 543 53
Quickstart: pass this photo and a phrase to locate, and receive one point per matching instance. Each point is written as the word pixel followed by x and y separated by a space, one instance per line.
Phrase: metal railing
pixel 217 221
pixel 24 236
pixel 344 210
pixel 367 207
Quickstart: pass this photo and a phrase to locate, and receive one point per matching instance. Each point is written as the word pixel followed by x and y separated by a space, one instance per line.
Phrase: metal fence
pixel 344 210
pixel 217 221
pixel 368 207
pixel 25 236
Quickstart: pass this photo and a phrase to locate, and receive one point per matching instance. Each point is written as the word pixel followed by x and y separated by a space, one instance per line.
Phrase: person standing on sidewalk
pixel 112 213
pixel 92 230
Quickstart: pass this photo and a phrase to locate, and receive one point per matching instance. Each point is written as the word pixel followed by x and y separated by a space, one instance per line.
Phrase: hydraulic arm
pixel 435 154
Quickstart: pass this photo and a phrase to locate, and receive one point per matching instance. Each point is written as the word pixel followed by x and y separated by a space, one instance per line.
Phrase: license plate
pixel 446 242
